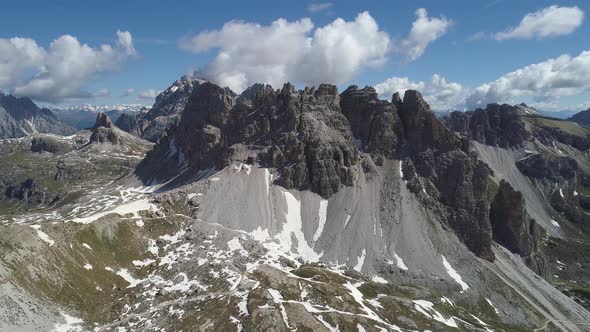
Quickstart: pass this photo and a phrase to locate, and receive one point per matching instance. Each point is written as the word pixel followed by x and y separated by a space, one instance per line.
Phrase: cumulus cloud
pixel 544 81
pixel 17 56
pixel 440 94
pixel 251 53
pixel 318 7
pixel 552 21
pixel 424 31
pixel 149 94
pixel 60 71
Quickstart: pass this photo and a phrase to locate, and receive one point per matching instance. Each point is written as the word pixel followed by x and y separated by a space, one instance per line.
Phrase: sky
pixel 461 54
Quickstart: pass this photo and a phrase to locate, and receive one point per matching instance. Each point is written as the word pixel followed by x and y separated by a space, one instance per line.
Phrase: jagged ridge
pixel 316 139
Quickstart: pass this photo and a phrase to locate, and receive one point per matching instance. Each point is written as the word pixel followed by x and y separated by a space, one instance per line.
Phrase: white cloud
pixel 149 94
pixel 17 56
pixel 251 53
pixel 440 94
pixel 128 92
pixel 318 7
pixel 60 71
pixel 544 85
pixel 424 31
pixel 544 81
pixel 555 106
pixel 552 21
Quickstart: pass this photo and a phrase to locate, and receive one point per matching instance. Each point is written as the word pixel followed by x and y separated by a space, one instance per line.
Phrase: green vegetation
pixel 567 126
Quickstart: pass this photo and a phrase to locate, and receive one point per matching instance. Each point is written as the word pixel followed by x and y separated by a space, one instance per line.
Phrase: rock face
pixel 21 117
pixel 320 141
pixel 496 125
pixel 558 169
pixel 285 129
pixel 130 123
pixel 560 178
pixel 30 192
pixel 514 229
pixel 50 144
pixel 102 120
pixel 103 130
pixel 374 123
pixel 166 110
pixel 548 135
pixel 449 168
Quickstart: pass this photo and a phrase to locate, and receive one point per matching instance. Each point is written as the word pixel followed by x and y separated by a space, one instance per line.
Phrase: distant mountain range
pixel 21 117
pixel 83 116
pixel 99 108
pixel 581 117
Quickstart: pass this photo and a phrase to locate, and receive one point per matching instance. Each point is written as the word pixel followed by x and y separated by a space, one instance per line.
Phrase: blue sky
pixel 155 58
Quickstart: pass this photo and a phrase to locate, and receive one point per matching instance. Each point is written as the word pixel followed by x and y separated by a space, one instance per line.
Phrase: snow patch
pixel 326 324
pixel 294 227
pixel 426 308
pixel 234 244
pixel 492 305
pixel 378 280
pixel 347 220
pixel 42 235
pixel 401 172
pixel 123 209
pixel 123 273
pixel 447 300
pixel 323 213
pixel 88 266
pixel 482 323
pixel 144 262
pixel 453 273
pixel 72 324
pixel 400 262
pixel 360 261
pixel 260 235
pixel 153 247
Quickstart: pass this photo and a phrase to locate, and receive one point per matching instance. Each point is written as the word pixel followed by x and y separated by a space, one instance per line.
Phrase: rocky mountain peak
pixel 168 106
pixel 396 99
pixel 104 131
pixel 318 140
pixel 423 129
pixel 255 93
pixel 19 107
pixel 102 120
pixel 20 116
pixel 496 125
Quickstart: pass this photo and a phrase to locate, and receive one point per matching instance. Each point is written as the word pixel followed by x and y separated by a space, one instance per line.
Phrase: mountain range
pixel 284 209
pixel 20 117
